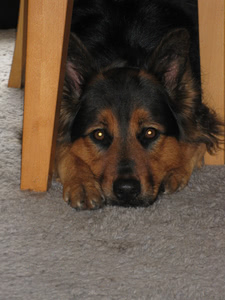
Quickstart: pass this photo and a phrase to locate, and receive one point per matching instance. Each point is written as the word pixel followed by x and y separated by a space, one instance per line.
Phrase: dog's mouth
pixel 140 201
pixel 137 202
pixel 128 193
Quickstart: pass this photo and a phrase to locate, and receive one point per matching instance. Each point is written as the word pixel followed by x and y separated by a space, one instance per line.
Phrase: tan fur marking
pixel 148 76
pixel 96 78
pixel 142 119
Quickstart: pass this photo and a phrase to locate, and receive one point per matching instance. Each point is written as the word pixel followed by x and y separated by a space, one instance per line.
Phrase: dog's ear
pixel 169 60
pixel 170 64
pixel 79 63
pixel 78 69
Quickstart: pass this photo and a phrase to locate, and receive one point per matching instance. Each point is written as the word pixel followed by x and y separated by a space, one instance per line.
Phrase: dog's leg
pixel 80 187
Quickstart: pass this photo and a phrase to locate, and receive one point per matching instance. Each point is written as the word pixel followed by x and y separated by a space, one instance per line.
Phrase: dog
pixel 132 122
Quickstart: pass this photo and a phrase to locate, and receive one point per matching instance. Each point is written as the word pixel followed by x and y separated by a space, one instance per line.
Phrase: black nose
pixel 126 189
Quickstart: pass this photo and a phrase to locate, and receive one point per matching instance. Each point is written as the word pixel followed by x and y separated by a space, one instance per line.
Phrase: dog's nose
pixel 126 189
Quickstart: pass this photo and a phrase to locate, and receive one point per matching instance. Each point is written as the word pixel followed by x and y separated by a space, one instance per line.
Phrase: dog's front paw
pixel 83 195
pixel 175 182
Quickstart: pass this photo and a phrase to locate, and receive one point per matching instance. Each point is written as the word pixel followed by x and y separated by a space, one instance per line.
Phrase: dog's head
pixel 140 130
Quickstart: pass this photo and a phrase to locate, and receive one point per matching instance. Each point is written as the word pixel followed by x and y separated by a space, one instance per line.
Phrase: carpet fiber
pixel 174 249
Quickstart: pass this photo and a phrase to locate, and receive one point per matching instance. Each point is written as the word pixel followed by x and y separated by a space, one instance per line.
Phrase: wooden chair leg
pixel 48 27
pixel 16 78
pixel 212 52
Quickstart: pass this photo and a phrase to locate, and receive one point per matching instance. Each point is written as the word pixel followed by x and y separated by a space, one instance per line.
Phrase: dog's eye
pixel 99 134
pixel 147 136
pixel 150 133
pixel 101 137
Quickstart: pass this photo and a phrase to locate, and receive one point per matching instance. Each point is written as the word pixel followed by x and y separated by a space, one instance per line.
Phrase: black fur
pixel 121 37
pixel 131 29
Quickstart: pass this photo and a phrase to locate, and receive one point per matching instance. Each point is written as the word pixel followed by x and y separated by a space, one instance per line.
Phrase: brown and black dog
pixel 132 122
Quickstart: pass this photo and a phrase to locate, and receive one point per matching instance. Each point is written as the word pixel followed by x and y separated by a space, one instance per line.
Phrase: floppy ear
pixel 78 69
pixel 169 60
pixel 79 63
pixel 170 64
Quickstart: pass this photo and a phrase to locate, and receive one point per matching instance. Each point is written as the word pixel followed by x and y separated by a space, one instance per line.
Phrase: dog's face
pixel 127 134
pixel 132 132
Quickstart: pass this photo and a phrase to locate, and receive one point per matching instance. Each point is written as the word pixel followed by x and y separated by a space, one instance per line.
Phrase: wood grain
pixel 16 78
pixel 212 51
pixel 47 41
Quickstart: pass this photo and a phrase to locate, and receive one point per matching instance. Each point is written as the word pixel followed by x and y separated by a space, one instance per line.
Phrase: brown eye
pixel 147 136
pixel 99 134
pixel 101 138
pixel 150 133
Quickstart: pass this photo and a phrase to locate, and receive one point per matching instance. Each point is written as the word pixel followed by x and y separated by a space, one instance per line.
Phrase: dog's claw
pixel 83 196
pixel 66 197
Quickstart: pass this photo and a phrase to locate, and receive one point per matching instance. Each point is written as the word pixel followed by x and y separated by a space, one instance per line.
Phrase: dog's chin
pixel 136 202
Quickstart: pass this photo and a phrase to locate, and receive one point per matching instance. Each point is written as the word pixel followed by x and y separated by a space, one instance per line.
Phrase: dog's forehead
pixel 139 118
pixel 107 119
pixel 123 101
pixel 125 91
